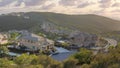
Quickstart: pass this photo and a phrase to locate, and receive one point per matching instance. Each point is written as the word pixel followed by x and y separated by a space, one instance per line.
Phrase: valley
pixel 59 38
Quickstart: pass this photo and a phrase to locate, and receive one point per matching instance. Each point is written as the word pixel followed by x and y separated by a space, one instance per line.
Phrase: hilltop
pixel 57 23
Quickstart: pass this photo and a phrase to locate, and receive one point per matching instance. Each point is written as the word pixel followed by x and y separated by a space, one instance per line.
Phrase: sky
pixel 108 8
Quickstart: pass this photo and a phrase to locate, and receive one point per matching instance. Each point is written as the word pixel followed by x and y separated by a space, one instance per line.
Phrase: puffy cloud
pixel 105 3
pixel 19 2
pixel 67 2
pixel 116 11
pixel 5 2
pixel 84 4
pixel 47 7
pixel 76 3
pixel 33 2
pixel 116 5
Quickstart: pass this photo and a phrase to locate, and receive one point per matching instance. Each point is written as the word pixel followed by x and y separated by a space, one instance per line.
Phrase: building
pixel 81 39
pixel 35 42
pixel 3 38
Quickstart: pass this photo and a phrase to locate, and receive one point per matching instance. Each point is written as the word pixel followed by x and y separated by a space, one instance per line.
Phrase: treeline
pixel 30 61
pixel 103 60
pixel 82 59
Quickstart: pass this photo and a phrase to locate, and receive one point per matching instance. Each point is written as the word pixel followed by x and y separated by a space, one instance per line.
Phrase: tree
pixel 14 35
pixel 65 44
pixel 24 59
pixel 85 66
pixel 83 56
pixel 70 63
pixel 114 66
pixel 34 66
pixel 3 50
pixel 5 63
pixel 46 61
pixel 111 48
pixel 56 65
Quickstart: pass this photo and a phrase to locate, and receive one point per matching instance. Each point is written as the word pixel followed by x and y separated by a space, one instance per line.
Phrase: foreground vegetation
pixel 83 59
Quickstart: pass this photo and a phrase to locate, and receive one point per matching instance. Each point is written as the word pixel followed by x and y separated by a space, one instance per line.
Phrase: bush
pixel 84 56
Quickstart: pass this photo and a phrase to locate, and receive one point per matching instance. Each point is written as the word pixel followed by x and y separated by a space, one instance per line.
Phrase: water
pixel 63 54
pixel 13 54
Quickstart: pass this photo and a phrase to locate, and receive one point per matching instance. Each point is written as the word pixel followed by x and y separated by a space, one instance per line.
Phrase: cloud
pixel 47 7
pixel 84 4
pixel 34 2
pixel 102 7
pixel 116 5
pixel 116 11
pixel 5 2
pixel 105 3
pixel 67 2
pixel 19 2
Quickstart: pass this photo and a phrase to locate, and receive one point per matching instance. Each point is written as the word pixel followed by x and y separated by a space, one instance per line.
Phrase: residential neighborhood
pixel 34 42
pixel 24 41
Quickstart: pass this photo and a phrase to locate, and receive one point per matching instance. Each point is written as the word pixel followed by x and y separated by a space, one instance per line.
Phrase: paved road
pixel 111 42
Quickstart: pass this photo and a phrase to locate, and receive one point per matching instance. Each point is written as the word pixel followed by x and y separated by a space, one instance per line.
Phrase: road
pixel 111 42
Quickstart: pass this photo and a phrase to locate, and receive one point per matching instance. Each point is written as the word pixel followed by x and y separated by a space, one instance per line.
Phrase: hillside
pixel 57 23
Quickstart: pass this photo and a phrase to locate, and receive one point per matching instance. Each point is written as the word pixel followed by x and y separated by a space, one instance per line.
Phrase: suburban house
pixel 34 42
pixel 3 38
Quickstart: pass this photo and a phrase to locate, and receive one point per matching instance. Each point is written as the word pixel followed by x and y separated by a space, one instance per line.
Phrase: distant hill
pixel 57 23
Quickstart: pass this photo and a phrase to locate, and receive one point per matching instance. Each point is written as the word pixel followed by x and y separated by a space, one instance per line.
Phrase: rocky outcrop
pixel 49 27
pixel 54 28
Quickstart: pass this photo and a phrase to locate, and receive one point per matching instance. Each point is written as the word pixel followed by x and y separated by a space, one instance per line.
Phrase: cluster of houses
pixel 32 42
pixel 77 40
pixel 28 40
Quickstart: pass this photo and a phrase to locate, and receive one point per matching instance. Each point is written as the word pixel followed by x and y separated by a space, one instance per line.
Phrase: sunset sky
pixel 109 8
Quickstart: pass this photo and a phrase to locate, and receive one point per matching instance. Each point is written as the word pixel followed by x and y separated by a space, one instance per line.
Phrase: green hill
pixel 53 22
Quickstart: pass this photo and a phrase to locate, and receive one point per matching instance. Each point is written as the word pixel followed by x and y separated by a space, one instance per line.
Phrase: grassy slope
pixel 88 23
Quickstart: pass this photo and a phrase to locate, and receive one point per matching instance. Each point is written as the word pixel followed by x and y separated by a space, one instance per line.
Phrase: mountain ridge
pixel 56 22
